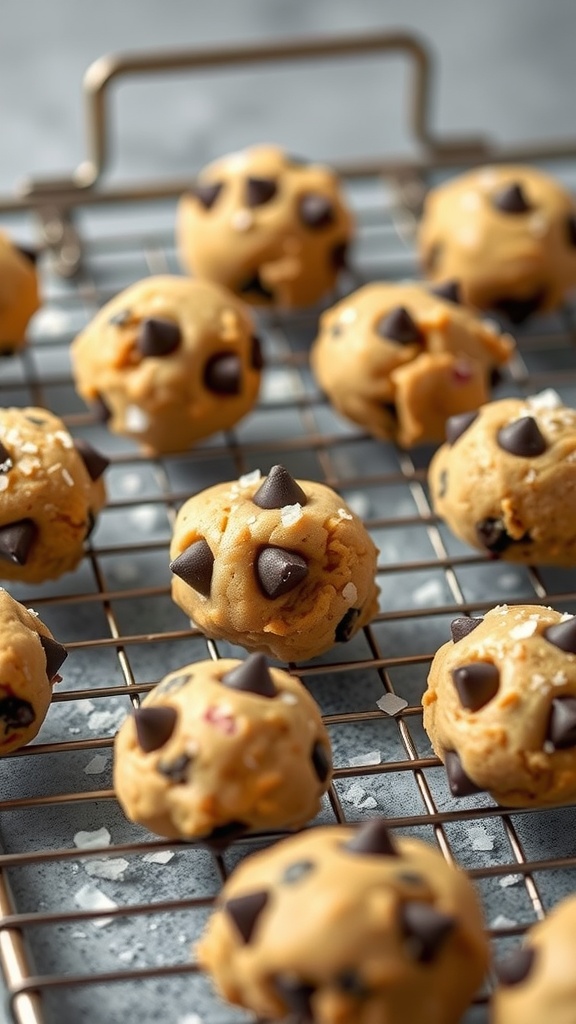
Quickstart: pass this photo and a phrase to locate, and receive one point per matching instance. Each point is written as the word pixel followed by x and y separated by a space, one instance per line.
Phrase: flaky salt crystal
pixel 390 704
pixel 97 765
pixel 350 593
pixel 111 869
pixel 523 630
pixel 158 857
pixel 247 479
pixel 547 399
pixel 91 898
pixel 361 760
pixel 135 419
pixel 291 514
pixel 88 840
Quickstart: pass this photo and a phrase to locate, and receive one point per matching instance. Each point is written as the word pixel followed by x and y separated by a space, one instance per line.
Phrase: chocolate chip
pixel 100 409
pixel 316 211
pixel 251 676
pixel 5 460
pixel 476 684
pixel 443 483
pixel 260 191
pixel 6 350
pixel 256 357
pixel 571 226
pixel 154 727
pixel 55 653
pixel 347 625
pixel 176 770
pixel 350 982
pixel 297 995
pixel 563 635
pixel 278 571
pixel 339 256
pixel 518 310
pixel 511 199
pixel 221 836
pixel 223 374
pixel 399 326
pixel 492 534
pixel 516 967
pixel 195 566
pixel 432 257
pixel 245 911
pixel 562 723
pixel 458 425
pixel 207 194
pixel 95 462
pixel 158 337
pixel 279 489
pixel 373 838
pixel 15 713
pixel 522 438
pixel 254 286
pixel 16 540
pixel 496 377
pixel 321 761
pixel 426 929
pixel 29 254
pixel 463 626
pixel 122 318
pixel 460 784
pixel 449 290
pixel 296 871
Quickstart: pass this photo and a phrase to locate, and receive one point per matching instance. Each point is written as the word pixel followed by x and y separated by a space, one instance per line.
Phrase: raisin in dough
pixel 505 481
pixel 537 981
pixel 500 708
pixel 272 229
pixel 221 748
pixel 276 565
pixel 19 297
pixel 51 490
pixel 399 359
pixel 30 658
pixel 168 362
pixel 507 235
pixel 344 926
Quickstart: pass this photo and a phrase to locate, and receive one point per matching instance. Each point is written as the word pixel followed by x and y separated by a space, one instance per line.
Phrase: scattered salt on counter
pixel 507 880
pixel 111 870
pixel 503 922
pixel 369 804
pixel 359 503
pixel 481 839
pixel 158 857
pixel 126 956
pixel 390 704
pixel 91 898
pixel 355 794
pixel 99 721
pixel 428 593
pixel 362 760
pixel 88 840
pixel 130 483
pixel 97 765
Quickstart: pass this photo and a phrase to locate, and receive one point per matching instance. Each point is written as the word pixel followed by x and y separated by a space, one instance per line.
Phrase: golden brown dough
pixel 19 297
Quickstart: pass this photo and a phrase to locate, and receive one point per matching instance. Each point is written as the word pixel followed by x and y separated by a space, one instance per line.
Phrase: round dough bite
pixel 537 981
pixel 500 707
pixel 505 481
pixel 30 659
pixel 271 228
pixel 344 926
pixel 51 490
pixel 221 748
pixel 276 565
pixel 506 234
pixel 168 362
pixel 399 359
pixel 19 298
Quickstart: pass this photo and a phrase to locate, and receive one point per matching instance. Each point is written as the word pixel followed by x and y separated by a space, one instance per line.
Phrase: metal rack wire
pixel 123 633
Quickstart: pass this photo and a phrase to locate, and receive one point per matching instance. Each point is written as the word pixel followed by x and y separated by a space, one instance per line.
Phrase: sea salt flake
pixel 501 921
pixel 91 898
pixel 111 869
pixel 190 1018
pixel 100 721
pixel 350 593
pixel 247 479
pixel 428 593
pixel 530 477
pixel 566 617
pixel 67 477
pixel 242 220
pixel 359 503
pixel 348 315
pixel 28 466
pixel 343 514
pixel 481 839
pixel 158 857
pixel 361 760
pixel 559 678
pixel 126 956
pixel 88 840
pixel 135 419
pixel 291 514
pixel 288 698
pixel 84 705
pixel 523 630
pixel 390 704
pixel 355 794
pixel 97 765
pixel 547 399
pixel 29 448
pixel 79 935
pixel 3 483
pixel 145 517
pixel 507 880
pixel 130 483
pixel 369 804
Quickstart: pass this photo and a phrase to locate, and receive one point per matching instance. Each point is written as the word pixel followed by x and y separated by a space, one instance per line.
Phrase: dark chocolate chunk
pixel 158 337
pixel 443 483
pixel 339 256
pixel 5 460
pixel 254 286
pixel 425 928
pixel 176 770
pixel 195 566
pixel 321 762
pixel 6 350
pixel 55 653
pixel 316 211
pixel 245 911
pixel 571 226
pixel 15 713
pixel 30 254
pixel 345 628
pixel 223 374
pixel 256 357
pixel 350 982
pixel 297 995
pixel 449 290
pixel 463 626
pixel 511 199
pixel 207 194
pixel 518 310
pixel 373 838
pixel 563 635
pixel 95 462
pixel 279 489
pixel 121 318
pixel 278 571
pixel 460 784
pixel 562 723
pixel 251 676
pixel 476 684
pixel 492 534
pixel 154 726
pixel 298 870
pixel 399 326
pixel 100 409
pixel 221 836
pixel 260 191
pixel 16 540
pixel 516 967
pixel 496 377
pixel 458 425
pixel 522 438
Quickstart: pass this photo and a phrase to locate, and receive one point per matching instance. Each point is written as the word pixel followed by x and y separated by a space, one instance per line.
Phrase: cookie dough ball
pixel 19 297
pixel 30 658
pixel 399 359
pixel 500 708
pixel 345 926
pixel 277 565
pixel 506 234
pixel 51 490
pixel 220 748
pixel 537 982
pixel 271 228
pixel 168 362
pixel 505 481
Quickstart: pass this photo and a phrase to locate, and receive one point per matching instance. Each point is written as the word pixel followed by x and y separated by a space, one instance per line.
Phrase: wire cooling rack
pixel 104 934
